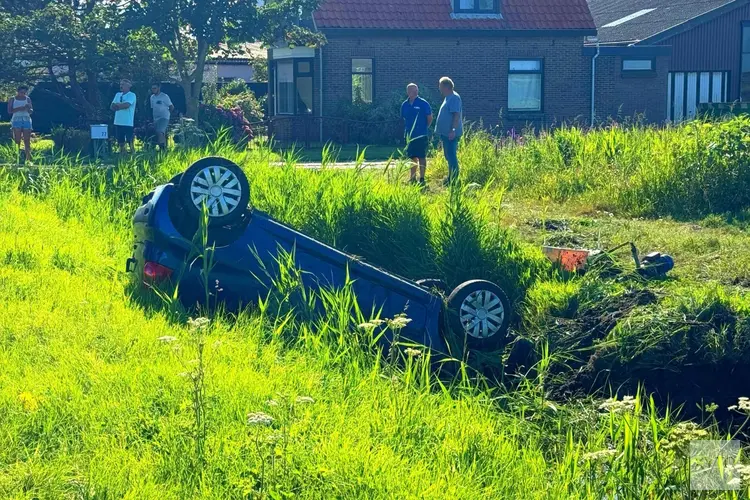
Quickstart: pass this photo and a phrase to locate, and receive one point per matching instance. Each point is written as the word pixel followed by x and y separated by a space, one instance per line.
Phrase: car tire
pixel 479 313
pixel 218 182
pixel 175 181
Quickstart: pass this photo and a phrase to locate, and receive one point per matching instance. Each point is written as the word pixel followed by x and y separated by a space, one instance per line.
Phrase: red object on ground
pixel 570 259
pixel 156 272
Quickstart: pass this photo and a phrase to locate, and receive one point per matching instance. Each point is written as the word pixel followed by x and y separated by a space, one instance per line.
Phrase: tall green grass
pixel 684 171
pixel 98 396
pixel 108 395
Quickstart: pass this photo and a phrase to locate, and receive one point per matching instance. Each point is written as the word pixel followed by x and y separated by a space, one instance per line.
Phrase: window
pixel 525 85
pixel 745 71
pixel 638 65
pixel 304 87
pixel 687 91
pixel 362 80
pixel 285 88
pixel 476 6
pixel 294 87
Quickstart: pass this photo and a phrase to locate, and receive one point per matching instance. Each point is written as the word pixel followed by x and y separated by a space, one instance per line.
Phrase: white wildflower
pixel 613 405
pixel 681 436
pixel 599 455
pixel 734 483
pixel 372 324
pixel 413 353
pixel 303 400
pixel 167 339
pixel 259 418
pixel 274 437
pixel 399 322
pixel 198 323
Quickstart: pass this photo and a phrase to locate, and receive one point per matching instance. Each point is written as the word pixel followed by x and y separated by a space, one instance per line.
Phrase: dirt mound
pixel 679 364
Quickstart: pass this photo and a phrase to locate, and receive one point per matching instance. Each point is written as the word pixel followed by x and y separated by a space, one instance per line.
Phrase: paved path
pixel 345 164
pixel 309 166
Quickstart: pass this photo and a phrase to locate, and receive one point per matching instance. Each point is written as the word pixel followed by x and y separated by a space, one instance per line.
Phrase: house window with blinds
pixel 362 80
pixel 525 85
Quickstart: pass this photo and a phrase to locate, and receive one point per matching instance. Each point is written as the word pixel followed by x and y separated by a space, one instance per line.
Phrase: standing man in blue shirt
pixel 417 115
pixel 450 126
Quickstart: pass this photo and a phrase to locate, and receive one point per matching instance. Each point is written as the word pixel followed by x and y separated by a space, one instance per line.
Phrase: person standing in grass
pixel 124 107
pixel 20 109
pixel 450 126
pixel 162 107
pixel 417 115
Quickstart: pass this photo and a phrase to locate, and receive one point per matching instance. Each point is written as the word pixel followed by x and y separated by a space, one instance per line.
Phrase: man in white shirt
pixel 162 107
pixel 124 107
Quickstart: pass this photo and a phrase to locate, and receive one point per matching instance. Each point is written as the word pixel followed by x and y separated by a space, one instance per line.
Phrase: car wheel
pixel 479 312
pixel 220 184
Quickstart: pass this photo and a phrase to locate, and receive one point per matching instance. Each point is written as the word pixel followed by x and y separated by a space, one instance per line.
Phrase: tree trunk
pixel 93 95
pixel 191 101
pixel 193 84
pixel 89 111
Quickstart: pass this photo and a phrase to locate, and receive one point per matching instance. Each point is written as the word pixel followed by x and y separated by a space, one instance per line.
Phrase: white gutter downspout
pixel 593 84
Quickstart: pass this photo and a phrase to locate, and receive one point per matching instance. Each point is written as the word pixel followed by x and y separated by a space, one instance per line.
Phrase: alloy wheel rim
pixel 482 314
pixel 219 188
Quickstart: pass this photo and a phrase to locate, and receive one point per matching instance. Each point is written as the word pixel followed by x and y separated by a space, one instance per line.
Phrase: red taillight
pixel 156 272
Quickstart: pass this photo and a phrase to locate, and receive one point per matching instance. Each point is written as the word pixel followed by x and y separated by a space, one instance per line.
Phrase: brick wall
pixel 477 65
pixel 621 96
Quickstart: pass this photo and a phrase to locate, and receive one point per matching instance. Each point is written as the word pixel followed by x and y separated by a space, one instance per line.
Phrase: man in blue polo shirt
pixel 417 116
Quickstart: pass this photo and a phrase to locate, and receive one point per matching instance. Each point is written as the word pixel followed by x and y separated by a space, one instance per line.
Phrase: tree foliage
pixel 75 44
pixel 79 43
pixel 191 30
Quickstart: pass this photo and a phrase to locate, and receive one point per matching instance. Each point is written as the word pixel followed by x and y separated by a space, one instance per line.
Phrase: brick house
pixel 683 54
pixel 515 61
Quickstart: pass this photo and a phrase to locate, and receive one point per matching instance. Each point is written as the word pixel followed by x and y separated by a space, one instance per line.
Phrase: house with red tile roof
pixel 515 63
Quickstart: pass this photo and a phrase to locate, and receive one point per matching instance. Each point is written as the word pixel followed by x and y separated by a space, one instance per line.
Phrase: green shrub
pixel 386 110
pixel 43 146
pixel 72 141
pixel 5 132
pixel 236 94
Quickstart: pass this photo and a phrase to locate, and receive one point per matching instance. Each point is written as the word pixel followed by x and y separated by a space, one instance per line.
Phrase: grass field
pixel 105 393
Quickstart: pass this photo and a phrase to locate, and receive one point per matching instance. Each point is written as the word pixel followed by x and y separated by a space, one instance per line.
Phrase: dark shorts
pixel 417 148
pixel 123 134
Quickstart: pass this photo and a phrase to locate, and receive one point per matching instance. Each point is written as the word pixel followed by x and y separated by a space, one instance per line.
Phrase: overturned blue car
pixel 246 243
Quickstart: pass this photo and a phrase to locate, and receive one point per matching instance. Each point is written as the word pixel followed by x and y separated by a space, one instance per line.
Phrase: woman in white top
pixel 20 109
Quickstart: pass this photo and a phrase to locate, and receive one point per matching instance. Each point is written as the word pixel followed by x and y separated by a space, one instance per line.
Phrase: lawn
pixel 109 393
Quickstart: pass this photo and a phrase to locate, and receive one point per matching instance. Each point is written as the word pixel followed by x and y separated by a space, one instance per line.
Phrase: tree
pixel 191 30
pixel 74 44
